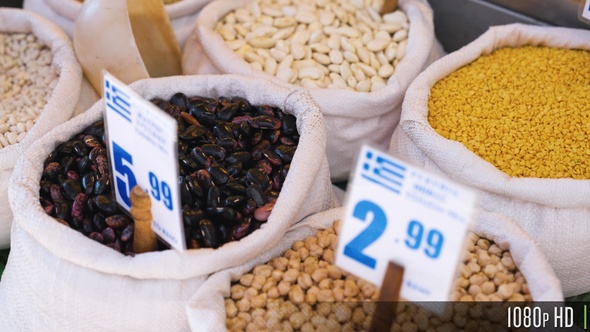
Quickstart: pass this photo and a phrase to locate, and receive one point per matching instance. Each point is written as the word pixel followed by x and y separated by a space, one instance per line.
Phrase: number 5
pixel 369 235
pixel 127 182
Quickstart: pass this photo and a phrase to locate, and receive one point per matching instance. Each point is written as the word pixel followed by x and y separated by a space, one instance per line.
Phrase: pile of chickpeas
pixel 303 290
pixel 524 109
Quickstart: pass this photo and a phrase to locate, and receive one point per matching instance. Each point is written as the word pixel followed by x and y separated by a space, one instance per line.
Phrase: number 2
pixel 355 248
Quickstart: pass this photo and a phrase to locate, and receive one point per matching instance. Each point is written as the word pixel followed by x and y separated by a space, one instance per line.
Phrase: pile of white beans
pixel 27 79
pixel 342 44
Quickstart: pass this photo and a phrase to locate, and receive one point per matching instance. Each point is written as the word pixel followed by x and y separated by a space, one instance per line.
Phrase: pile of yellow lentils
pixel 525 110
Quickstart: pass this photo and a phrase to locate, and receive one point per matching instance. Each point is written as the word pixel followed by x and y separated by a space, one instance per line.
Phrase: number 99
pixel 434 239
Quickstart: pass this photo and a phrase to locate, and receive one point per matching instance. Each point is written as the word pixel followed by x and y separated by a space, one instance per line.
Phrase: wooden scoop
pixel 132 39
pixel 388 6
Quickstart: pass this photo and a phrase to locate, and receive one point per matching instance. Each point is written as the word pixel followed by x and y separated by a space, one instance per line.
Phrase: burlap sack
pixel 64 12
pixel 57 279
pixel 555 212
pixel 206 311
pixel 352 118
pixel 59 108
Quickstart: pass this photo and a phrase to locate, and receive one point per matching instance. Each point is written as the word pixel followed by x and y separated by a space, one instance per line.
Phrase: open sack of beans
pixel 295 286
pixel 40 86
pixel 356 63
pixel 182 13
pixel 63 273
pixel 508 115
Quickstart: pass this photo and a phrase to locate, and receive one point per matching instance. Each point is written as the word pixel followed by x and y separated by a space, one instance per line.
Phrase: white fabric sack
pixel 206 311
pixel 352 118
pixel 555 212
pixel 182 14
pixel 59 107
pixel 57 279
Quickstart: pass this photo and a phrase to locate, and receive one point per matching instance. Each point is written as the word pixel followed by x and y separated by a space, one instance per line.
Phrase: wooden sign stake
pixel 384 315
pixel 388 6
pixel 144 238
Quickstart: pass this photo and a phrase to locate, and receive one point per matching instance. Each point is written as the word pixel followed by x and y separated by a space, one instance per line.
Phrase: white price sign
pixel 396 212
pixel 142 142
pixel 584 13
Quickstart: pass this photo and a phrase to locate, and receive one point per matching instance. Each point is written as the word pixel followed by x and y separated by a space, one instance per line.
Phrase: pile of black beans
pixel 233 159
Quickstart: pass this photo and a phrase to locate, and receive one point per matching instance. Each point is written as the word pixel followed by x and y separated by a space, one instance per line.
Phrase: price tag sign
pixel 584 13
pixel 142 142
pixel 397 212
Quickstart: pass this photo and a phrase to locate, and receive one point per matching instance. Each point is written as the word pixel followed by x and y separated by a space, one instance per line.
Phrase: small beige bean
pixel 283 34
pixel 352 82
pixel 321 58
pixel 346 45
pixel 263 42
pixel 336 57
pixel 400 35
pixel 284 22
pixel 368 70
pixel 298 51
pixel 235 44
pixel 227 34
pixel 364 55
pixel 316 37
pixel 401 50
pixel 270 66
pixel 277 54
pixel 386 71
pixel 301 37
pixel 320 48
pixel 305 17
pixel 390 27
pixel 350 57
pixel 253 57
pixel 357 72
pixel 309 83
pixel 377 45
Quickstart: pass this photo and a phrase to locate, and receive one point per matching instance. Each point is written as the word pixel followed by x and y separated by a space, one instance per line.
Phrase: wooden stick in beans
pixel 144 238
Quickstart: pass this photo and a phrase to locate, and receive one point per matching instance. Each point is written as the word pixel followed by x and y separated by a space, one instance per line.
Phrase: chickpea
pixel 291 275
pixel 296 294
pixel 319 275
pixel 263 270
pixel 310 241
pixel 328 256
pixel 280 263
pixel 325 295
pixel 270 282
pixel 304 280
pixel 259 301
pixel 303 253
pixel 230 308
pixel 237 291
pixel 298 245
pixel 342 312
pixel 283 287
pixel 258 282
pixel 247 279
pixel 315 250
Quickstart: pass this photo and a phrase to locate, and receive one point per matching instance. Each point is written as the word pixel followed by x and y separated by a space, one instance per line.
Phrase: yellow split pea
pixel 526 110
